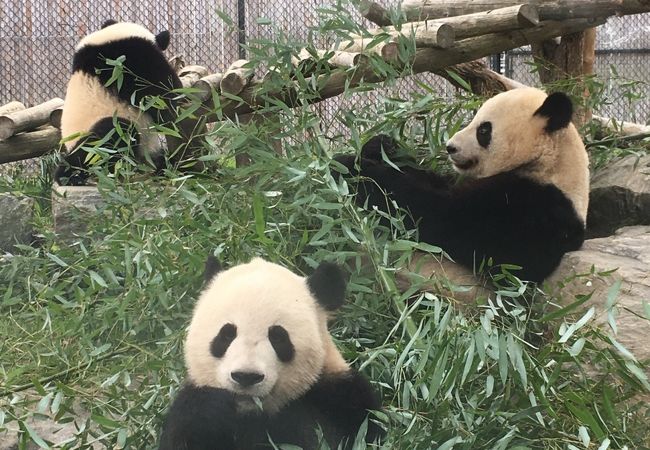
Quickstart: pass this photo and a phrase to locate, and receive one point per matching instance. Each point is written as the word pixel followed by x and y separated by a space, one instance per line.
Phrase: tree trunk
pixel 11 107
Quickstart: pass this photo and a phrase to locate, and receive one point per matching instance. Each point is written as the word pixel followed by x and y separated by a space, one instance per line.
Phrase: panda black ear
pixel 162 40
pixel 212 267
pixel 558 110
pixel 108 23
pixel 327 284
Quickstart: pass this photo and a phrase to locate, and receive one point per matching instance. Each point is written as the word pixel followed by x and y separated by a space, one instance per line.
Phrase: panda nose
pixel 451 149
pixel 247 379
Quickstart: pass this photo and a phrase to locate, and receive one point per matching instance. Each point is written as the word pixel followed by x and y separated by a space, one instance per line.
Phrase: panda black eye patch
pixel 281 343
pixel 484 134
pixel 222 341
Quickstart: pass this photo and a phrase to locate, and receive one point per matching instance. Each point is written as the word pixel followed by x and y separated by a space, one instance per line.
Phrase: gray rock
pixel 628 253
pixel 620 196
pixel 72 207
pixel 16 215
pixel 46 429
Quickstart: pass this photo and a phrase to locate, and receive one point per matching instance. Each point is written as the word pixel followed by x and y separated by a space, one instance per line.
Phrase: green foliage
pixel 97 324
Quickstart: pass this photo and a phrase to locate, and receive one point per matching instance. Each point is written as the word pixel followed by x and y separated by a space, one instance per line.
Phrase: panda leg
pixel 73 171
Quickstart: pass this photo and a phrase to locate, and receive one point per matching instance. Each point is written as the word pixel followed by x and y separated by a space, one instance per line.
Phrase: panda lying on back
pixel 90 105
pixel 261 363
pixel 526 200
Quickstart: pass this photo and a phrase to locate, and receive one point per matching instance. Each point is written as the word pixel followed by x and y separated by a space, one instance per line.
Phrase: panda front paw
pixel 200 418
pixel 64 175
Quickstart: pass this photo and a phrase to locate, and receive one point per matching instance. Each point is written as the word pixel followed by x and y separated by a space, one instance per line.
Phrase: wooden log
pixel 335 58
pixel 191 74
pixel 29 145
pixel 548 9
pixel 237 77
pixel 388 50
pixel 469 25
pixel 425 60
pixel 207 85
pixel 55 117
pixel 374 12
pixel 11 107
pixel 621 127
pixel 27 119
pixel 436 35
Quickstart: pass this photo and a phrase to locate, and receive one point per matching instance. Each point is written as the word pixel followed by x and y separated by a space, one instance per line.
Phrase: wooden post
pixel 27 119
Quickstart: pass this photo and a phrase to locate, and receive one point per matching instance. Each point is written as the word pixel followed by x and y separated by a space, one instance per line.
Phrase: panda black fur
pixel 93 109
pixel 260 331
pixel 525 202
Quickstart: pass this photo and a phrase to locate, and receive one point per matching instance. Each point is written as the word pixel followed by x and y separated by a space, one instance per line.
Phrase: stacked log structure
pixel 448 36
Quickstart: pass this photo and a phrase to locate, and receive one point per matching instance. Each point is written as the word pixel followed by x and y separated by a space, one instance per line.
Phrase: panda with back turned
pixel 524 199
pixel 92 110
pixel 262 365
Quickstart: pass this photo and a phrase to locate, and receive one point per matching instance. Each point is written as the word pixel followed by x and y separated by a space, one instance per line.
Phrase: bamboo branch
pixel 27 119
pixel 29 145
pixel 425 60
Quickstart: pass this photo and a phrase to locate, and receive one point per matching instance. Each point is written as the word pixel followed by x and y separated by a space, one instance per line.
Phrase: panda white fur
pixel 524 201
pixel 259 337
pixel 92 109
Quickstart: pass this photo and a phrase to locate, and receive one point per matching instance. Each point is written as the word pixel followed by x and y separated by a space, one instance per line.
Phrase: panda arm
pixel 510 219
pixel 342 402
pixel 200 418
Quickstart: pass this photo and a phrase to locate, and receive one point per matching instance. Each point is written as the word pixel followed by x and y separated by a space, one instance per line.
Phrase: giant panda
pixel 523 196
pixel 92 110
pixel 262 365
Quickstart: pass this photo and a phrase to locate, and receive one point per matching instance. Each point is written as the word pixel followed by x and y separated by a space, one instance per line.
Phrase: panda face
pixel 259 331
pixel 510 130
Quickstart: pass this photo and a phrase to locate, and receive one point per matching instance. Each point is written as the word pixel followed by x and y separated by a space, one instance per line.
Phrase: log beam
pixel 237 77
pixel 415 10
pixel 189 75
pixel 27 119
pixel 29 145
pixel 11 107
pixel 425 60
pixel 469 25
pixel 207 85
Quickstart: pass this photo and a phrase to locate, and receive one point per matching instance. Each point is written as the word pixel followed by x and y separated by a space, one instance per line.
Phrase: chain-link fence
pixel 37 40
